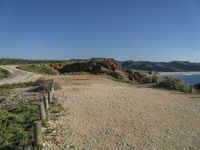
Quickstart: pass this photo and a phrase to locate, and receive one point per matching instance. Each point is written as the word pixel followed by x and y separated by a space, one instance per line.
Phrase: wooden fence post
pixel 49 96
pixel 46 103
pixel 158 82
pixel 150 79
pixel 52 86
pixel 191 89
pixel 44 96
pixel 42 111
pixel 38 134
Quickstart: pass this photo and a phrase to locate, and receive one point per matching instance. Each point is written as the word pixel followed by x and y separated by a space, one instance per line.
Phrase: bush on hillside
pixel 39 68
pixel 99 66
pixel 173 83
pixel 118 75
pixel 150 79
pixel 4 73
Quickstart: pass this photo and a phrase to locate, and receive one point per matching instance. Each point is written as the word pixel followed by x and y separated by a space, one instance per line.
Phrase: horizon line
pixel 121 60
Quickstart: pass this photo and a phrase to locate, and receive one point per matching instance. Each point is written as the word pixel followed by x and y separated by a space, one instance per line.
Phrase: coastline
pixel 191 78
pixel 180 73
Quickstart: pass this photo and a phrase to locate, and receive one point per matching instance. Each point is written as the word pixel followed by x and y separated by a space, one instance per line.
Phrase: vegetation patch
pixel 173 83
pixel 118 75
pixel 55 107
pixel 39 69
pixel 17 85
pixel 45 85
pixel 150 79
pixel 4 73
pixel 4 93
pixel 102 66
pixel 96 68
pixel 57 86
pixel 17 120
pixel 16 124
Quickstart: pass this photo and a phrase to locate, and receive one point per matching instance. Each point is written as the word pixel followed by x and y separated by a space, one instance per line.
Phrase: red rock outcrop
pixel 56 66
pixel 100 66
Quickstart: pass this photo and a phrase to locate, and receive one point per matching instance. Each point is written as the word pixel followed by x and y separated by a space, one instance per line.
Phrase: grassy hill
pixel 39 69
pixel 97 66
pixel 105 66
pixel 174 66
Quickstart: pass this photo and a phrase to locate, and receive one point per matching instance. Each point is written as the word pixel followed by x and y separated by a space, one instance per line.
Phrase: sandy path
pixel 17 74
pixel 107 115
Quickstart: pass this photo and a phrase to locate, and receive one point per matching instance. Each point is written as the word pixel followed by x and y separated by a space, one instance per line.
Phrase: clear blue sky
pixel 155 30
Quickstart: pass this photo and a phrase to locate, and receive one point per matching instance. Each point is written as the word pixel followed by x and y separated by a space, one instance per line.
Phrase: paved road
pixel 17 74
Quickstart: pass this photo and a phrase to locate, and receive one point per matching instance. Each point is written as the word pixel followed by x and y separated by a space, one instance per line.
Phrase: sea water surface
pixel 188 77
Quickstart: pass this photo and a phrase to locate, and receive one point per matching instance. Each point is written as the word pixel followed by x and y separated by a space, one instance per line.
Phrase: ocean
pixel 189 77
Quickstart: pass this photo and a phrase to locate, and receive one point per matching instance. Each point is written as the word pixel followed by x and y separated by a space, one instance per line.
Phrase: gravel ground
pixel 24 95
pixel 16 96
pixel 108 115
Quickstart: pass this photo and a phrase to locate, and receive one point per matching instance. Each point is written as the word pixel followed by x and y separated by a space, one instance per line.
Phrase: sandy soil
pixel 101 114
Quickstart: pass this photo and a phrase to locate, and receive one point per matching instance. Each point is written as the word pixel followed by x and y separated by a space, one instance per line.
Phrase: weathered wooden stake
pixel 43 96
pixel 150 79
pixel 49 96
pixel 38 134
pixel 46 103
pixel 52 86
pixel 42 111
pixel 191 89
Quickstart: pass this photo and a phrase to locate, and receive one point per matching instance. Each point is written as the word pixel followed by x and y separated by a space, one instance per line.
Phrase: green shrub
pixel 4 73
pixel 155 78
pixel 16 125
pixel 39 69
pixel 55 107
pixel 173 83
pixel 150 79
pixel 57 86
pixel 146 79
pixel 45 85
pixel 118 75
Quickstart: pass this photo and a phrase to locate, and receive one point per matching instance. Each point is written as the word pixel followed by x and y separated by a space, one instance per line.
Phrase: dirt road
pixel 105 115
pixel 17 74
